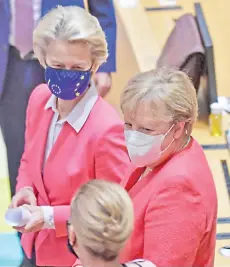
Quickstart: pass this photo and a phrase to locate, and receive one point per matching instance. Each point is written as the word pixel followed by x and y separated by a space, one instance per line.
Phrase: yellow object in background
pixel 4 189
pixel 216 119
pixel 5 202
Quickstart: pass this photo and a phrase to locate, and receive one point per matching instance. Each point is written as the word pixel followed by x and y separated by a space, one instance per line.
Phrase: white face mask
pixel 145 149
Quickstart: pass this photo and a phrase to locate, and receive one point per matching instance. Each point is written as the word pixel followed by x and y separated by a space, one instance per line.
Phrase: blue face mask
pixel 67 84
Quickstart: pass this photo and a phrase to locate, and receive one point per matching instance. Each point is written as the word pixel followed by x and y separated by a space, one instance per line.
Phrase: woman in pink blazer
pixel 170 183
pixel 72 134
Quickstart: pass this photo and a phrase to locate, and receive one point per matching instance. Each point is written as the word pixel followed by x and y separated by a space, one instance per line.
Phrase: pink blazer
pixel 98 150
pixel 175 212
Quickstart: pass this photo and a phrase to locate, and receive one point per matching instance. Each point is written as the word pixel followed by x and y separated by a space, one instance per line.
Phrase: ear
pixel 72 237
pixel 179 129
pixel 94 68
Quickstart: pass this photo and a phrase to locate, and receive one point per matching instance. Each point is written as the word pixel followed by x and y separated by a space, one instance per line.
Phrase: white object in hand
pixel 17 217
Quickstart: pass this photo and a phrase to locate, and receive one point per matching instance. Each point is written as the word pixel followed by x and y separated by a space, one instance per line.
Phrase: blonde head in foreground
pixel 101 221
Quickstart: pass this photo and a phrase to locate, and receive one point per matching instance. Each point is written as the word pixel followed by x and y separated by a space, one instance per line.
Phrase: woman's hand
pixel 36 222
pixel 24 196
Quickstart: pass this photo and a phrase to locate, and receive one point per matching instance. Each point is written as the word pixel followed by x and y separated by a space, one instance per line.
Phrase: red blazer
pixel 175 212
pixel 98 150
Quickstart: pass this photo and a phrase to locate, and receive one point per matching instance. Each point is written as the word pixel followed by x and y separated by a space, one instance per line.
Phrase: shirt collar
pixel 79 114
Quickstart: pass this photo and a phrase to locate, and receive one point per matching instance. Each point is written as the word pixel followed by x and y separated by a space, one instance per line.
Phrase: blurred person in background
pixel 100 224
pixel 170 181
pixel 72 134
pixel 20 71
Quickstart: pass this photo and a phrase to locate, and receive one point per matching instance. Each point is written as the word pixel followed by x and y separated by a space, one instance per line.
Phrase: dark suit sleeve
pixel 105 13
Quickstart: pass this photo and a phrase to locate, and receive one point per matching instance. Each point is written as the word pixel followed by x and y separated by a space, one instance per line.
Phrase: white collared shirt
pixel 76 118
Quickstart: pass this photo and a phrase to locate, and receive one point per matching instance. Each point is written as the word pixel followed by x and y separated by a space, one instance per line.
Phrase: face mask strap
pixel 166 135
pixel 186 132
pixel 167 146
pixel 70 247
pixel 46 65
pixel 169 130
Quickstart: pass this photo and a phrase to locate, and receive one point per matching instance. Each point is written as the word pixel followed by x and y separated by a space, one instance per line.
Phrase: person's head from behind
pixel 69 43
pixel 101 222
pixel 160 108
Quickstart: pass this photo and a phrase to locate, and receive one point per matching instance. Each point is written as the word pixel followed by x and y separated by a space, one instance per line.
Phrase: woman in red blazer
pixel 170 182
pixel 72 134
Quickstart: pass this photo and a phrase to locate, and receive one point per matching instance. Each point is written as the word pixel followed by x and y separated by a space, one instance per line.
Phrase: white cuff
pixel 48 217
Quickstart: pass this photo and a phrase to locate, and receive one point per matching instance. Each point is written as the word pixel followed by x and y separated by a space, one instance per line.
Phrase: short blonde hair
pixel 102 217
pixel 70 23
pixel 166 86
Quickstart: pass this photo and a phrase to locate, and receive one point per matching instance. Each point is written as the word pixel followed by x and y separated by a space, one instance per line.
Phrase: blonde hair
pixel 70 23
pixel 166 86
pixel 102 217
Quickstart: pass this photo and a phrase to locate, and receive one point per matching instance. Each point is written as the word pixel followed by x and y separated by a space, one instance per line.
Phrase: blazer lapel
pixel 39 152
pixel 134 183
pixel 66 132
pixel 132 177
pixel 137 187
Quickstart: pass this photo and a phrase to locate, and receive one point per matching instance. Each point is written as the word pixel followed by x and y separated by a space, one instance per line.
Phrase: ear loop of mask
pixel 186 132
pixel 170 142
pixel 70 247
